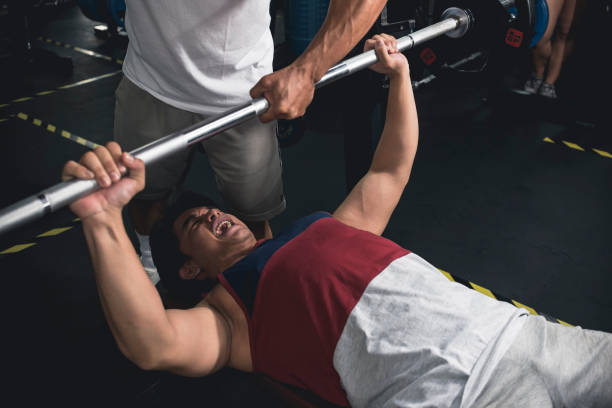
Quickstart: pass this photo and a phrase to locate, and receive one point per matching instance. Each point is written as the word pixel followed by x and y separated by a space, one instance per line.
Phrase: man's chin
pixel 238 233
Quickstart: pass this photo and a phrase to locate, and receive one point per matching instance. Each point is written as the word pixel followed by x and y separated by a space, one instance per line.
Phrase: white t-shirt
pixel 201 56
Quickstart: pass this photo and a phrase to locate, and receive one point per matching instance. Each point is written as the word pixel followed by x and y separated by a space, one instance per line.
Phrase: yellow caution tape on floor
pixel 62 87
pixel 448 275
pixel 53 232
pixel 17 248
pixel 82 50
pixel 496 296
pixel 603 153
pixel 529 309
pixel 26 98
pixel 482 290
pixel 52 128
pixel 572 145
pixel 576 146
pixel 50 233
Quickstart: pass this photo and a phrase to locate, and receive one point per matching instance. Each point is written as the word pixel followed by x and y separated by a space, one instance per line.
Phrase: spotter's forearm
pixel 347 21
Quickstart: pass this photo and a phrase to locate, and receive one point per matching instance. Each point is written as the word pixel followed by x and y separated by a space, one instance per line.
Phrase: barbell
pixel 455 22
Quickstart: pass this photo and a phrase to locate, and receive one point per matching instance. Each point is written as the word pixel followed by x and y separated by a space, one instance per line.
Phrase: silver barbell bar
pixel 455 23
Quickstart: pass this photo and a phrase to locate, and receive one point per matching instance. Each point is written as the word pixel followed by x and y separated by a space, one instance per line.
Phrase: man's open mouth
pixel 222 227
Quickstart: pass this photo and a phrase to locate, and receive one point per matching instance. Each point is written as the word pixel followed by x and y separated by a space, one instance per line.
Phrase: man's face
pixel 211 237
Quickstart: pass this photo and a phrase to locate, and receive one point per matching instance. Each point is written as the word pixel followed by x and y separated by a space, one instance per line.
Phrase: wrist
pixel 108 218
pixel 308 67
pixel 400 75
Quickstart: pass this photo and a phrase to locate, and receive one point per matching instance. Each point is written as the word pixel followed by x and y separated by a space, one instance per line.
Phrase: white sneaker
pixel 548 91
pixel 533 84
pixel 147 262
pixel 146 258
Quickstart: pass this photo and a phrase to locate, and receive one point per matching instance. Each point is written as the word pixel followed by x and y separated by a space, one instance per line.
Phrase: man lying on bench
pixel 329 305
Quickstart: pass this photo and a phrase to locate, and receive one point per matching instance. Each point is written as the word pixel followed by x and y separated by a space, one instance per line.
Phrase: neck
pixel 233 258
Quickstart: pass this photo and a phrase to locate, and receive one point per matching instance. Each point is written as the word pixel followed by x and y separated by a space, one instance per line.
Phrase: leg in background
pixel 542 51
pixel 539 57
pixel 559 41
pixel 143 214
pixel 140 119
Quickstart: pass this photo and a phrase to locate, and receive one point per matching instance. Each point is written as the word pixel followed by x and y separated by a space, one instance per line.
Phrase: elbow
pixel 144 358
pixel 147 363
pixel 147 348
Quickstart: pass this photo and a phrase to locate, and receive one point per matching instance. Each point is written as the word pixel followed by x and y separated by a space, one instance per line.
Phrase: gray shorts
pixel 550 365
pixel 245 159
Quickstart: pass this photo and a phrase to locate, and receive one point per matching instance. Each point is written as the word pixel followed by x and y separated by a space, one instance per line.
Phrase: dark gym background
pixel 506 191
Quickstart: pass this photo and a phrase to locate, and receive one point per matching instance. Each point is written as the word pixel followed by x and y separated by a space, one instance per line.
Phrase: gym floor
pixel 511 193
